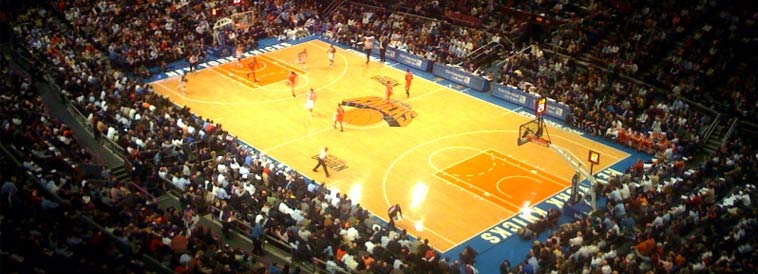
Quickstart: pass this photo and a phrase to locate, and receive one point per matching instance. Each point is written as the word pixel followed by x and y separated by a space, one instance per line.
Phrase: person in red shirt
pixel 636 140
pixel 623 137
pixel 388 91
pixel 339 116
pixel 292 79
pixel 408 79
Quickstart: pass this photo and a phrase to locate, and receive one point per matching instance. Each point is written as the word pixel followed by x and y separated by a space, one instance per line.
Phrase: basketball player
pixel 311 100
pixel 330 53
pixel 292 79
pixel 408 79
pixel 368 44
pixel 182 81
pixel 302 57
pixel 339 116
pixel 322 161
pixel 193 62
pixel 388 92
pixel 238 54
pixel 251 66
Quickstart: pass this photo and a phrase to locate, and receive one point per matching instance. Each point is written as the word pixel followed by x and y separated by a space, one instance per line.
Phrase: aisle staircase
pixel 333 6
pixel 719 134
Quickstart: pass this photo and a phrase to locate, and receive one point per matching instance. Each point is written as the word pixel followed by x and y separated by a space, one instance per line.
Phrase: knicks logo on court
pixel 384 80
pixel 395 113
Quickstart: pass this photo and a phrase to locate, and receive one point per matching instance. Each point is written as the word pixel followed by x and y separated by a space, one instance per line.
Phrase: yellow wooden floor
pixel 384 164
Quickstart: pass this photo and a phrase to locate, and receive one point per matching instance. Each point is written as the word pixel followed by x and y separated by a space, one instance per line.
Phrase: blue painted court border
pixel 512 248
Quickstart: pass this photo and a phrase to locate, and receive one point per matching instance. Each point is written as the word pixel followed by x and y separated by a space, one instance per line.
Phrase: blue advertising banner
pixel 456 75
pixel 410 60
pixel 555 109
pixel 405 58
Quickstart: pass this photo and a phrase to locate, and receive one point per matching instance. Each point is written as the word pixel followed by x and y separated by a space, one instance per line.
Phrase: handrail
pixel 334 5
pixel 366 5
pixel 711 128
pixel 406 14
pixel 514 54
pixel 729 132
pixel 481 49
pixel 750 127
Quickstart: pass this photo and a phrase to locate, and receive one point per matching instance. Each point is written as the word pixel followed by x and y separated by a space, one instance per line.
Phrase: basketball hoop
pixel 539 141
pixel 533 131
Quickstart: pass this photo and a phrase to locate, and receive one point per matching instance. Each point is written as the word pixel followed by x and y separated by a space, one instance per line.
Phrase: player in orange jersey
pixel 252 66
pixel 339 116
pixel 408 79
pixel 388 91
pixel 292 80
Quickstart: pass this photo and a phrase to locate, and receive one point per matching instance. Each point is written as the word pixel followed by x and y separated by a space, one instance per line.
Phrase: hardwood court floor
pixel 503 180
pixel 420 166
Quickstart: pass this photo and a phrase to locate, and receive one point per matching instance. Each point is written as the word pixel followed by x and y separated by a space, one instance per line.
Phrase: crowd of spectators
pixel 431 38
pixel 215 174
pixel 712 64
pixel 689 49
pixel 40 199
pixel 155 33
pixel 603 104
pixel 663 217
pixel 627 39
pixel 238 184
pixel 130 216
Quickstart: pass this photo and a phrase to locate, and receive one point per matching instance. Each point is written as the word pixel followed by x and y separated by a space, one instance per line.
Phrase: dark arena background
pixel 386 137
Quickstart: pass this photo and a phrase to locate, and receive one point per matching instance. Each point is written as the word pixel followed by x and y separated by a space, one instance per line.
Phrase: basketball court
pixel 449 159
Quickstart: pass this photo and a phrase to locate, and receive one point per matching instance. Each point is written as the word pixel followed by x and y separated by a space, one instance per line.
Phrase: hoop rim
pixel 538 141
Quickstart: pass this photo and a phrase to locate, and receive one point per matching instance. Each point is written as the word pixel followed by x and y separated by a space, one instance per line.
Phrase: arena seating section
pixel 656 76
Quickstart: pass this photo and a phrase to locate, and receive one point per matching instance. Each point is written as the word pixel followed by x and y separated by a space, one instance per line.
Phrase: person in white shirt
pixel 221 193
pixel 331 266
pixel 249 187
pixel 370 247
pixel 350 262
pixel 181 182
pixel 576 241
pixel 322 161
pixel 368 45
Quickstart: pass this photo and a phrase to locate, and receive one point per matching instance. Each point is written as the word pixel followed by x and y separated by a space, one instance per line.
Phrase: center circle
pixel 362 117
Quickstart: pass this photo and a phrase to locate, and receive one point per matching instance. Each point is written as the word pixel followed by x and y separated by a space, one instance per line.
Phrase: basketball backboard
pixel 533 131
